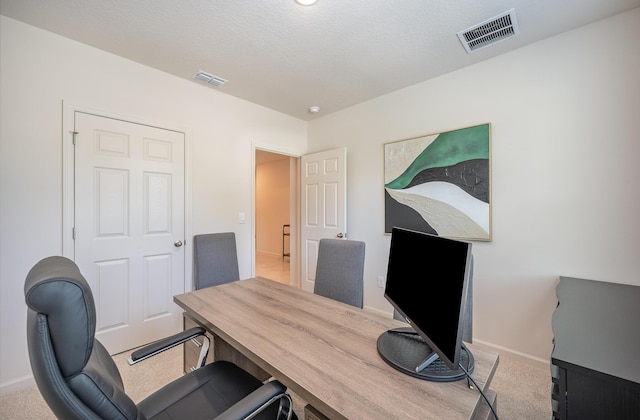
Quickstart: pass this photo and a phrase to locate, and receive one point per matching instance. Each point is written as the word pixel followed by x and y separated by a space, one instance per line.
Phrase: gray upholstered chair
pixel 215 259
pixel 215 262
pixel 340 270
pixel 79 380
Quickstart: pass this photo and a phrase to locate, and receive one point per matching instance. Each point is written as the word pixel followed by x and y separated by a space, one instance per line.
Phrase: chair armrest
pixel 164 344
pixel 258 400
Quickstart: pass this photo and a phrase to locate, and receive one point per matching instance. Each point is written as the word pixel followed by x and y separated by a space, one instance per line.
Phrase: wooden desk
pixel 325 351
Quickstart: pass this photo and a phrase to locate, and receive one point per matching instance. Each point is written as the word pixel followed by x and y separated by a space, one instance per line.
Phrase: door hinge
pixel 73 137
pixel 73 233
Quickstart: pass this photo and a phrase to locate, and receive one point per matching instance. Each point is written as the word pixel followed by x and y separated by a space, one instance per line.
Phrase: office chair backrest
pixel 340 270
pixel 75 374
pixel 215 259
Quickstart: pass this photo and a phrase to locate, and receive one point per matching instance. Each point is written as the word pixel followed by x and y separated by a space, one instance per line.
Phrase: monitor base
pixel 404 349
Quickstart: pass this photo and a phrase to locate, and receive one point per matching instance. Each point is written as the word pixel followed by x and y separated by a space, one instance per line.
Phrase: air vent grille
pixel 209 78
pixel 490 31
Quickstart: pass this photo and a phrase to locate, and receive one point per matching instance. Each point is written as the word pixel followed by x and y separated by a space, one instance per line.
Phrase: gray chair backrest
pixel 75 374
pixel 215 259
pixel 340 270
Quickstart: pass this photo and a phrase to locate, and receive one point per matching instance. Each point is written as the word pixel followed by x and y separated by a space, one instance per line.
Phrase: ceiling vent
pixel 209 78
pixel 490 31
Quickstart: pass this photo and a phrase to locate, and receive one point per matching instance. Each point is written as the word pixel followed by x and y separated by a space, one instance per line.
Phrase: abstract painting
pixel 440 183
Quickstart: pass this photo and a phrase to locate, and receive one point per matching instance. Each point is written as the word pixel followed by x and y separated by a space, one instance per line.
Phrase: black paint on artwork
pixel 403 216
pixel 471 175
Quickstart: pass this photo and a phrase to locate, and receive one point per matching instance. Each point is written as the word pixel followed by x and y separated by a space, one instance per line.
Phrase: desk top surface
pixel 325 351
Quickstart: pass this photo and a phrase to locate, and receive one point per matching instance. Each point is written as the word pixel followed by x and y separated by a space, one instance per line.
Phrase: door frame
pixel 294 210
pixel 68 181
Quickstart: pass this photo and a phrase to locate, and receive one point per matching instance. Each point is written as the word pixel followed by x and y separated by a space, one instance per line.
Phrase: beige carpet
pixel 523 390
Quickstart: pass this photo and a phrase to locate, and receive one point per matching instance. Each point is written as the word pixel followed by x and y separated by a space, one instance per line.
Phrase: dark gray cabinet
pixel 595 364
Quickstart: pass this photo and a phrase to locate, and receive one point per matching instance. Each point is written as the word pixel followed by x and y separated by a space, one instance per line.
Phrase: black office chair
pixel 340 270
pixel 215 259
pixel 79 380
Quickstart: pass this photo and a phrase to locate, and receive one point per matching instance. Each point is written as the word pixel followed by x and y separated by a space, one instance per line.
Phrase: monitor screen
pixel 427 280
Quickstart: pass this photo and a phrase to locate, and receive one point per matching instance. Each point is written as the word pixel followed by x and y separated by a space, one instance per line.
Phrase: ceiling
pixel 288 57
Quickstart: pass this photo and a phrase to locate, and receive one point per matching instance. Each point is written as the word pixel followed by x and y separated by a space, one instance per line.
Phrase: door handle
pixel 341 235
pixel 177 244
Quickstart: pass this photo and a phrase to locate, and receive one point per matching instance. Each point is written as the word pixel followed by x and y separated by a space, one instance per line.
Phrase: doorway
pixel 275 216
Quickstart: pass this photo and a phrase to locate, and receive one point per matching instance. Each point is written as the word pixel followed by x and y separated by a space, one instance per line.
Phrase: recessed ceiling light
pixel 314 109
pixel 306 2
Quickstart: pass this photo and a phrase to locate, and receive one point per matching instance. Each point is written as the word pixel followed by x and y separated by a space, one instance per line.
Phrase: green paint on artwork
pixel 447 149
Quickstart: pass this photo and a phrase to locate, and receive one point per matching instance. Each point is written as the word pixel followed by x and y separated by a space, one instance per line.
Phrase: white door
pixel 129 227
pixel 323 205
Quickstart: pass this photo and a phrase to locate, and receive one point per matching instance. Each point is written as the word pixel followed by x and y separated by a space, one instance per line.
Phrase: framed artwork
pixel 440 183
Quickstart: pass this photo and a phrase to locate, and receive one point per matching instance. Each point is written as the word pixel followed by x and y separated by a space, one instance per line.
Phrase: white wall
pixel 565 115
pixel 39 70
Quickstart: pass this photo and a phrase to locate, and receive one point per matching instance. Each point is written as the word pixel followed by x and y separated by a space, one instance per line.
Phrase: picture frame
pixel 440 183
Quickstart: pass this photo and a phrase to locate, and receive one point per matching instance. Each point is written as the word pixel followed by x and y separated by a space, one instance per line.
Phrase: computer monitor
pixel 427 281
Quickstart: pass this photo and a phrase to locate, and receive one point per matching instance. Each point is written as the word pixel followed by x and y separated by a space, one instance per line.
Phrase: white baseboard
pixel 519 356
pixel 269 253
pixel 17 385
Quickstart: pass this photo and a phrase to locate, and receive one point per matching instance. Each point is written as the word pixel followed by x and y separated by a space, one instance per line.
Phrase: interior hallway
pixel 273 267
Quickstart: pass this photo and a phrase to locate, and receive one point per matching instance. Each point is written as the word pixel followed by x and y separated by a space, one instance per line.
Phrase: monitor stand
pixel 405 350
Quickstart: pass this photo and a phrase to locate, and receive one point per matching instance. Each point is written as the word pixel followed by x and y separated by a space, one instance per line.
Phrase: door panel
pixel 129 212
pixel 323 207
pixel 110 286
